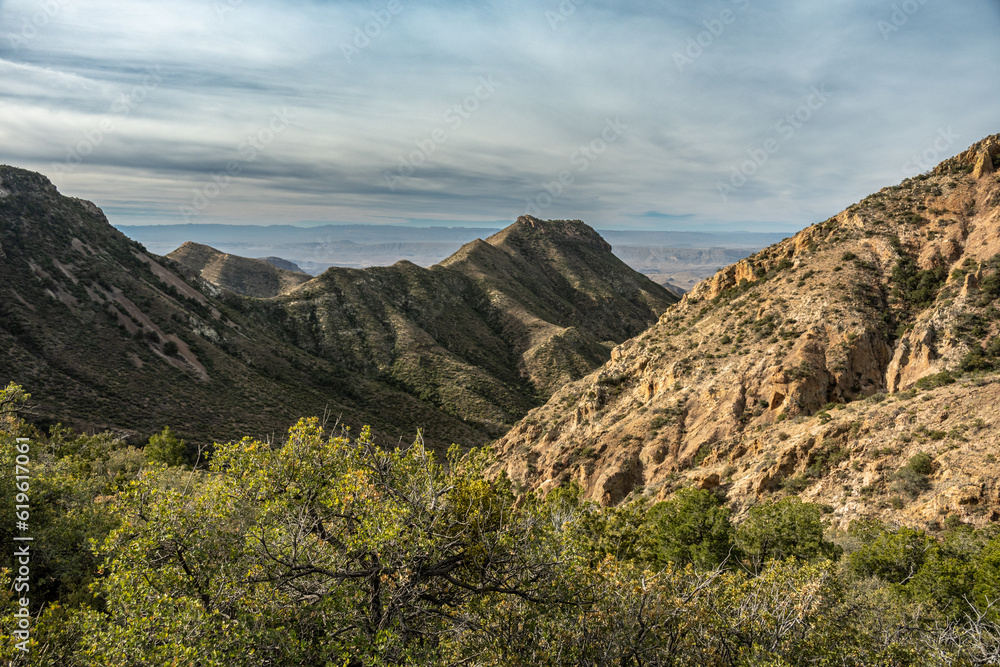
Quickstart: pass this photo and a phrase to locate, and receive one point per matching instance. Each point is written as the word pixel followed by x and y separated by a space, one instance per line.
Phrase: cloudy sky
pixel 632 114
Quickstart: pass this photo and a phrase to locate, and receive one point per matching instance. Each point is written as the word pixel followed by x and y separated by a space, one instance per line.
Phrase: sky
pixel 634 114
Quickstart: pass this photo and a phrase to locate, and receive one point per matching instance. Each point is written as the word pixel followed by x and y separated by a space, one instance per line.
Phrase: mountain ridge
pixel 532 321
pixel 106 335
pixel 242 275
pixel 733 389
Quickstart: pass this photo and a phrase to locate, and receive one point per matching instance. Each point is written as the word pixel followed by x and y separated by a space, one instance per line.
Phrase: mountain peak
pixel 796 369
pixel 532 230
pixel 14 181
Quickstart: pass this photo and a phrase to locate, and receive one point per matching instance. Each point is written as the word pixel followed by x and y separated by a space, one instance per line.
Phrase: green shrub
pixel 796 484
pixel 692 527
pixel 941 379
pixel 909 482
pixel 915 287
pixel 782 529
pixel 894 556
pixel 165 447
pixel 922 463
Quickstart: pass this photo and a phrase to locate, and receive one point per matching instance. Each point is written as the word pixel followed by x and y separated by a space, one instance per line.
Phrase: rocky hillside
pixel 249 277
pixel 488 332
pixel 106 335
pixel 854 363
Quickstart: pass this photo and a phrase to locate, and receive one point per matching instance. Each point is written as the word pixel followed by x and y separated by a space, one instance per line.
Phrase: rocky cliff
pixel 816 366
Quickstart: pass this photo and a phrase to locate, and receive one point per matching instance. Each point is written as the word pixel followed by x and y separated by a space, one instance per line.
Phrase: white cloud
pixel 225 65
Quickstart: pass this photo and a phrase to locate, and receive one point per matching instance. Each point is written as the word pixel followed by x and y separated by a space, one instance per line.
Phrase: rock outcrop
pixel 739 385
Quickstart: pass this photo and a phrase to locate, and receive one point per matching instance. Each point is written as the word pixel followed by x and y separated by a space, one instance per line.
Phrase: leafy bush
pixel 331 550
pixel 782 529
pixel 922 463
pixel 892 555
pixel 941 379
pixel 909 482
pixel 692 527
pixel 164 447
pixel 916 287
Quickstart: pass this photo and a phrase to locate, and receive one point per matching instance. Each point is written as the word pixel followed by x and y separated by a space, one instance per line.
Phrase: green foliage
pixel 12 400
pixel 619 532
pixel 783 529
pixel 892 555
pixel 170 348
pixel 986 590
pixel 363 551
pixel 70 482
pixel 922 463
pixel 981 358
pixel 166 448
pixel 941 379
pixel 909 482
pixel 915 287
pixel 692 528
pixel 957 576
pixel 912 478
pixel 331 551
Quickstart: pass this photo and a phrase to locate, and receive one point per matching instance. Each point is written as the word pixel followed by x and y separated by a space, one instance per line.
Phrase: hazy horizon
pixel 733 114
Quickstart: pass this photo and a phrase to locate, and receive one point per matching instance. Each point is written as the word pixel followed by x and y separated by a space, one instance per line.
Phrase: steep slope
pixel 754 383
pixel 564 297
pixel 282 264
pixel 105 335
pixel 248 277
pixel 489 330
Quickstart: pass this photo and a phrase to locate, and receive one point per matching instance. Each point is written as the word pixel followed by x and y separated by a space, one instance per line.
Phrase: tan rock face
pixel 747 384
pixel 981 155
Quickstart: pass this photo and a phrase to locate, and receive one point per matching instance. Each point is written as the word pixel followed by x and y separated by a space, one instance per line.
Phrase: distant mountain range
pixel 681 259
